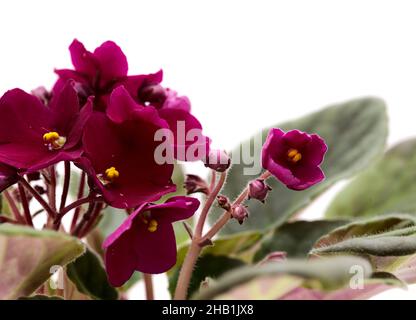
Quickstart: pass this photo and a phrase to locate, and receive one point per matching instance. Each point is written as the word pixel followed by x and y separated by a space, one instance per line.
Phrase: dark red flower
pixel 294 158
pixel 98 73
pixel 145 241
pixel 120 153
pixel 34 136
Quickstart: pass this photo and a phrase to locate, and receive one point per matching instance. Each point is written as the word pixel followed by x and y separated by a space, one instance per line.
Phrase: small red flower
pixel 294 158
pixel 145 241
pixel 119 153
pixel 34 136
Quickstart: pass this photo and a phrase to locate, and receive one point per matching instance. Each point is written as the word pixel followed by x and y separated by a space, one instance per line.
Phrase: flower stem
pixel 79 196
pixel 185 274
pixel 226 216
pixel 85 217
pixel 38 197
pixel 208 204
pixel 25 205
pixel 90 220
pixel 148 283
pixel 212 182
pixel 65 188
pixel 13 207
pixel 73 205
pixel 52 188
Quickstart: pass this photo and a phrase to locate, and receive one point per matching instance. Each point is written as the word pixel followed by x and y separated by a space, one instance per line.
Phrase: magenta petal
pixel 23 117
pixel 8 176
pixel 296 139
pixel 33 157
pixel 155 251
pixel 77 129
pixel 307 177
pixel 272 146
pixel 82 59
pixel 284 175
pixel 113 62
pixel 100 140
pixel 315 150
pixel 173 101
pixel 187 132
pixel 65 107
pixel 121 105
pixel 133 84
pixel 175 208
pixel 118 258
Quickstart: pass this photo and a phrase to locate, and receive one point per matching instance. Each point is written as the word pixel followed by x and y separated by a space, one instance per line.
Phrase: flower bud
pixel 154 94
pixel 258 189
pixel 240 213
pixel 194 184
pixel 217 160
pixel 223 202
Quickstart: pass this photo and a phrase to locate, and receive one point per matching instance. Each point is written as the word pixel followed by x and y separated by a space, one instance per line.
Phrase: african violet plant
pixel 111 142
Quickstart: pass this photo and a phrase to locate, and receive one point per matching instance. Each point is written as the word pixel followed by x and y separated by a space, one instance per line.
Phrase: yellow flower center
pixel 152 224
pixel 53 140
pixel 111 174
pixel 294 155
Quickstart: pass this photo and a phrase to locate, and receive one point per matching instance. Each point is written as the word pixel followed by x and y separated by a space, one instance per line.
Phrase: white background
pixel 243 64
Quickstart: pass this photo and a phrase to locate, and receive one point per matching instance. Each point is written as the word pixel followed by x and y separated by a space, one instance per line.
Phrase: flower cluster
pixel 104 121
pixel 111 126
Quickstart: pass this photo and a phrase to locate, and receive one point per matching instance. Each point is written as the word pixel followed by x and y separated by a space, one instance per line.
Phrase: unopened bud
pixel 258 189
pixel 194 184
pixel 240 213
pixel 217 160
pixel 153 94
pixel 223 202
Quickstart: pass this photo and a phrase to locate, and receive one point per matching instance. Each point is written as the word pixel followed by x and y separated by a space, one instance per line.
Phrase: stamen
pixel 294 155
pixel 112 174
pixel 53 140
pixel 109 175
pixel 152 225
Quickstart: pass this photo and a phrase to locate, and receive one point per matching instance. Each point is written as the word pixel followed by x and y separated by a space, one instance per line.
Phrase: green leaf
pixel 355 132
pixel 379 282
pixel 207 266
pixel 90 278
pixel 388 186
pixel 27 256
pixel 380 237
pixel 226 253
pixel 295 238
pixel 322 274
